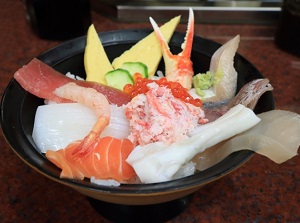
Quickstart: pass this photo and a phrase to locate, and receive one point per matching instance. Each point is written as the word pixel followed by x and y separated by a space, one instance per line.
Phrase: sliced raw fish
pixel 41 80
pixel 105 161
pixel 222 69
pixel 248 96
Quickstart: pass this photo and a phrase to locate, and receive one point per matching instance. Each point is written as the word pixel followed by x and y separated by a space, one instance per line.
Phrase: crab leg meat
pixel 178 67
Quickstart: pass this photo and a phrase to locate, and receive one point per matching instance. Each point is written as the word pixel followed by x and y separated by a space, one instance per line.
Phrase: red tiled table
pixel 259 191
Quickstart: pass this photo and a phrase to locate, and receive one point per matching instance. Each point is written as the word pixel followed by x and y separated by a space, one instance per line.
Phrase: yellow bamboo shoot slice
pixel 148 50
pixel 96 62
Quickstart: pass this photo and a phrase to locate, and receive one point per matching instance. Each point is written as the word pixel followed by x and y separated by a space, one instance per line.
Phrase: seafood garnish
pixel 178 67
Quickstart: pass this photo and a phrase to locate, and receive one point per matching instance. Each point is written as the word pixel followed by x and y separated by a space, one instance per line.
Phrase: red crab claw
pixel 178 67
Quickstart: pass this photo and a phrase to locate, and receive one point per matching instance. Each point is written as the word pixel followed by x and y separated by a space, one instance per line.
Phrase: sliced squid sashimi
pixel 41 80
pixel 158 162
pixel 57 125
pixel 277 137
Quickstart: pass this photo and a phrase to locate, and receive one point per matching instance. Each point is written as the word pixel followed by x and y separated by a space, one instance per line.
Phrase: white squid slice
pixel 57 125
pixel 276 137
pixel 157 162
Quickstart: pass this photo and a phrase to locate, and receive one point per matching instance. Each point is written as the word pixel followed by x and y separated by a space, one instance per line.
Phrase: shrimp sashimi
pixel 86 96
pixel 91 98
pixel 92 156
pixel 41 80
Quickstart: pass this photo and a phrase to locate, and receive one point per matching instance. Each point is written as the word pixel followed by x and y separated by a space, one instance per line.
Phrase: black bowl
pixel 17 123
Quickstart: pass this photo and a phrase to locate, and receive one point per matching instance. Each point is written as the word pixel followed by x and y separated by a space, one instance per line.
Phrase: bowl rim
pixel 76 46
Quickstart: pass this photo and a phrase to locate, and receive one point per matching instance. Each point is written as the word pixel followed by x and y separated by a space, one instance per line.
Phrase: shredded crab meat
pixel 159 116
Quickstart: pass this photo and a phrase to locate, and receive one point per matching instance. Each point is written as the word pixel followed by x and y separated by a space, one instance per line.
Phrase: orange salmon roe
pixel 178 91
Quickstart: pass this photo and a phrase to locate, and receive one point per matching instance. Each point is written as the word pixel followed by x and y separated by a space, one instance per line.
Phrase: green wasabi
pixel 204 81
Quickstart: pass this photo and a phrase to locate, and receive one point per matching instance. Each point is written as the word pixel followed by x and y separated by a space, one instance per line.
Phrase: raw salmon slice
pixel 106 160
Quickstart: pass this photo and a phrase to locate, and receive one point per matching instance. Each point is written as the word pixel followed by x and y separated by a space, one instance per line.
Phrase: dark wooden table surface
pixel 259 191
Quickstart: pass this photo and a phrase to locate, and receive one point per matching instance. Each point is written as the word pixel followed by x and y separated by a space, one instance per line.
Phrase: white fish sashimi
pixel 222 64
pixel 57 125
pixel 157 162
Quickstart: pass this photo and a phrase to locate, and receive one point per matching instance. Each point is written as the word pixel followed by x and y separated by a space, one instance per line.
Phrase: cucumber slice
pixel 136 67
pixel 118 78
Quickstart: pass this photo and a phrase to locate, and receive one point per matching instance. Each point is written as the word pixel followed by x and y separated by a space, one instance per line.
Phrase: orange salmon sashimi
pixel 106 160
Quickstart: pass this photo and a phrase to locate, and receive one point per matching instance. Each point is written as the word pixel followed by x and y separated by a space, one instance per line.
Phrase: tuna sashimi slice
pixel 41 80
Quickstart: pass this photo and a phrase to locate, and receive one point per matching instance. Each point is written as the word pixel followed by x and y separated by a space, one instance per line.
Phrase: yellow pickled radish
pixel 96 62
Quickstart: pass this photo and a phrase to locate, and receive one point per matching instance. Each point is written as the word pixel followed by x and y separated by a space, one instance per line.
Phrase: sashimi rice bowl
pixel 137 138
